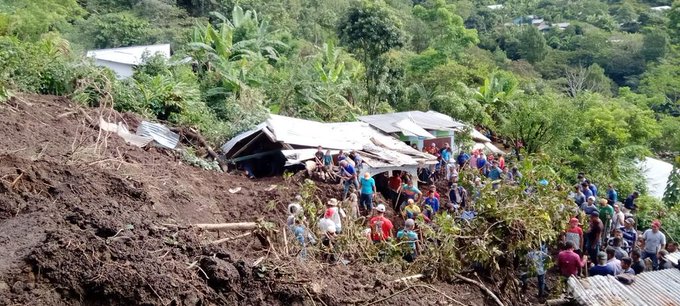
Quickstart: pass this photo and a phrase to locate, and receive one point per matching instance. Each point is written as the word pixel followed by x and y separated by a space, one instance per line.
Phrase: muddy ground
pixel 86 219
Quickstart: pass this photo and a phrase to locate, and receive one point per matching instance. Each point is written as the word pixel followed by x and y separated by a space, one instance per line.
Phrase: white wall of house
pixel 123 71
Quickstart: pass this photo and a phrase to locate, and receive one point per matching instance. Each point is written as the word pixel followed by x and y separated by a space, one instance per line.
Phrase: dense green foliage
pixel 589 86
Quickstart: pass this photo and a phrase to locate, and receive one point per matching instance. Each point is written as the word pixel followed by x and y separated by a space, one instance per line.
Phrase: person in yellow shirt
pixel 411 210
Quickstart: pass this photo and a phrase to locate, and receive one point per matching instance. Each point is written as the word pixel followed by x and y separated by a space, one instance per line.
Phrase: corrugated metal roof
pixel 649 288
pixel 377 149
pixel 160 134
pixel 129 55
pixel 430 120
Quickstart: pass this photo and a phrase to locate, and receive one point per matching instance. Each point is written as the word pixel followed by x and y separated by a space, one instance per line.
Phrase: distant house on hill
pixel 660 8
pixel 495 7
pixel 123 60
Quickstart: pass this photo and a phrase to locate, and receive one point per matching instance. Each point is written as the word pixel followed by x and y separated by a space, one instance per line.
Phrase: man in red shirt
pixel 381 227
pixel 569 262
pixel 394 184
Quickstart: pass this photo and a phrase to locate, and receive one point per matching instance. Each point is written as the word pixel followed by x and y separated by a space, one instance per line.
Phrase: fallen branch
pixel 16 180
pixel 231 238
pixel 240 226
pixel 557 302
pixel 403 279
pixel 197 136
pixel 285 240
pixel 481 286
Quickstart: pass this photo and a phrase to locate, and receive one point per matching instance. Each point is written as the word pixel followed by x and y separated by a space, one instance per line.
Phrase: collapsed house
pixel 282 142
pixel 424 128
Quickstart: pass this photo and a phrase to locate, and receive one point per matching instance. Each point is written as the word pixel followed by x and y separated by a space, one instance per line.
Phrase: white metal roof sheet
pixel 129 55
pixel 430 120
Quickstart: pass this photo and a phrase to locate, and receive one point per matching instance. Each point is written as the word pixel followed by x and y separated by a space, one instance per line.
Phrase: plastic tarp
pixel 122 131
pixel 656 174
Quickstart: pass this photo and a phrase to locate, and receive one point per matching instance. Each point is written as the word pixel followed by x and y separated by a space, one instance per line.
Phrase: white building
pixel 123 60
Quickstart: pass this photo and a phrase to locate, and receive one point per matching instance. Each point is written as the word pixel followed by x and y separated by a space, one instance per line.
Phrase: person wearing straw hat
pixel 336 214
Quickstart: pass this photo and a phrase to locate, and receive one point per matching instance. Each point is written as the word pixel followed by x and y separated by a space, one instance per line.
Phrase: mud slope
pixel 86 219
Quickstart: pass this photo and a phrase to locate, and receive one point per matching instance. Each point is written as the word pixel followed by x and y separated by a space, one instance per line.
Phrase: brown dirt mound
pixel 86 219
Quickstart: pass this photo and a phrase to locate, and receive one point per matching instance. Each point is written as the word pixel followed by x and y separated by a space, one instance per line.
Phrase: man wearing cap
pixel 574 234
pixel 381 227
pixel 594 235
pixel 601 268
pixel 629 233
pixel 589 206
pixel 367 187
pixel 411 237
pixel 606 215
pixel 653 241
pixel 569 262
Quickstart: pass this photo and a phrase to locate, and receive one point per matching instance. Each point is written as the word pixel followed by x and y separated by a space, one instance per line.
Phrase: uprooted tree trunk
pixel 189 133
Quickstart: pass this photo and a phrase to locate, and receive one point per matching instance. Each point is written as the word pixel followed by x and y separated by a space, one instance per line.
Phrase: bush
pixel 45 67
pixel 651 209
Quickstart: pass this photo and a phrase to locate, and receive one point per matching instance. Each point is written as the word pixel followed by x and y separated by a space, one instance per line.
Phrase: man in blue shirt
pixel 349 177
pixel 612 195
pixel 367 187
pixel 433 202
pixel 462 158
pixel 411 237
pixel 592 188
pixel 586 191
pixel 601 268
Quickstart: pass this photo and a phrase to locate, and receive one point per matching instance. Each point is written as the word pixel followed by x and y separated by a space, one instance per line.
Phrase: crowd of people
pixel 611 239
pixel 608 244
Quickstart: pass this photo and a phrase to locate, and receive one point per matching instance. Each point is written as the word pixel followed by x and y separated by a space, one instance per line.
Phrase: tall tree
pixel 445 30
pixel 671 196
pixel 654 44
pixel 532 45
pixel 538 122
pixel 369 31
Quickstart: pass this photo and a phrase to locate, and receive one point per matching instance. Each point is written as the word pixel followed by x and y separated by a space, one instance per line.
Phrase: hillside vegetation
pixel 591 87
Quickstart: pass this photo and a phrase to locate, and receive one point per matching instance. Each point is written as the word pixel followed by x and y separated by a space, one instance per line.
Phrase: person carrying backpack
pixel 381 227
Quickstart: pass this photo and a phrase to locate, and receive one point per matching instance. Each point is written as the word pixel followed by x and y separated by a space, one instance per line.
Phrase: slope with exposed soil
pixel 86 219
